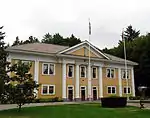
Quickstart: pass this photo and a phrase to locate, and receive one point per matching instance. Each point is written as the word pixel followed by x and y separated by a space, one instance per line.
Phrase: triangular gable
pixel 82 49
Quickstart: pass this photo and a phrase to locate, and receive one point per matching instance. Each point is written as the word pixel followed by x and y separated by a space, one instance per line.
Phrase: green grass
pixel 76 111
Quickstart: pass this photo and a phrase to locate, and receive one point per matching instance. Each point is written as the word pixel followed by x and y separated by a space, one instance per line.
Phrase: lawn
pixel 76 111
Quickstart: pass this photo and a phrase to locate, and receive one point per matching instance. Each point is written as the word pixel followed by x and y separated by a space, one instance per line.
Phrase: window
pixel 125 90
pixel 110 73
pixel 94 72
pixel 48 69
pixel 70 71
pixel 123 73
pixel 83 71
pixel 48 89
pixel 111 89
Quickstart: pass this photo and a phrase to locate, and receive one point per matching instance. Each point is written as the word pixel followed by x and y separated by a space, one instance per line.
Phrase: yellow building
pixel 66 73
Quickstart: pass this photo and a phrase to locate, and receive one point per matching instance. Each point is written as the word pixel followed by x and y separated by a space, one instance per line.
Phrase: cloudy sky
pixel 24 18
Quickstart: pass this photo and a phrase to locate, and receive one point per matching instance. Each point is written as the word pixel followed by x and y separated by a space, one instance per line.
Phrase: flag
pixel 89 28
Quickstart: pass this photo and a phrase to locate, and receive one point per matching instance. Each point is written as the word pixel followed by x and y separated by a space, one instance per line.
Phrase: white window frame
pixel 96 73
pixel 47 89
pixel 128 72
pixel 126 89
pixel 72 71
pixel 111 89
pixel 68 90
pixel 48 68
pixel 110 72
pixel 85 71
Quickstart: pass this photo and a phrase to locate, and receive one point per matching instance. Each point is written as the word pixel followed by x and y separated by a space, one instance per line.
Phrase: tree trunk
pixel 19 109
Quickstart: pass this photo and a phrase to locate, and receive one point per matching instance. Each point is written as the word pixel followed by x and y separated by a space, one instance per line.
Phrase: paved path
pixel 11 106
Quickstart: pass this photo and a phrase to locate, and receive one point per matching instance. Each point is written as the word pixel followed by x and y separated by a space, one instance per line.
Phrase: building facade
pixel 66 73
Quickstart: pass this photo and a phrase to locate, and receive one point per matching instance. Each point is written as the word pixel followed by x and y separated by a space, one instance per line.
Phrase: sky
pixel 24 18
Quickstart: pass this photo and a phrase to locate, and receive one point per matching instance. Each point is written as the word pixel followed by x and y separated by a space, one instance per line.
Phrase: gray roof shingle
pixel 39 47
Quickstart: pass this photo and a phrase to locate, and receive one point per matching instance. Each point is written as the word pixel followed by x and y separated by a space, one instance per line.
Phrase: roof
pixel 46 49
pixel 38 47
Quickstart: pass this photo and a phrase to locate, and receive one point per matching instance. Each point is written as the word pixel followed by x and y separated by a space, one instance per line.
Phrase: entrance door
pixel 70 93
pixel 94 93
pixel 83 93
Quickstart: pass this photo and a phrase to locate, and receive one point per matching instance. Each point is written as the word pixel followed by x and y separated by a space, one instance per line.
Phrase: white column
pixel 89 83
pixel 133 84
pixel 120 82
pixel 36 71
pixel 36 75
pixel 64 81
pixel 77 82
pixel 100 82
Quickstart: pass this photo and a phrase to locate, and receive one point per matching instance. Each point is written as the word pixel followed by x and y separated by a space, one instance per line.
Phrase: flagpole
pixel 89 68
pixel 125 60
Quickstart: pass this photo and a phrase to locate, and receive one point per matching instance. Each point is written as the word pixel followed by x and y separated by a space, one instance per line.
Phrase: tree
pixel 72 40
pixel 59 40
pixel 20 87
pixel 3 62
pixel 17 42
pixel 131 34
pixel 31 39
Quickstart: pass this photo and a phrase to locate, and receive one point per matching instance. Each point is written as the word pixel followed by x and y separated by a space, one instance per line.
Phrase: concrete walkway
pixel 11 106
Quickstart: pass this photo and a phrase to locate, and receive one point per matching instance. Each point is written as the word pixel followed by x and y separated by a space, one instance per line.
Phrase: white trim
pixel 85 92
pixel 48 85
pixel 77 82
pixel 110 73
pixel 84 42
pixel 36 75
pixel 126 89
pixel 64 81
pixel 111 89
pixel 72 90
pixel 85 71
pixel 96 72
pixel 96 91
pixel 133 84
pixel 72 70
pixel 100 82
pixel 48 68
pixel 120 82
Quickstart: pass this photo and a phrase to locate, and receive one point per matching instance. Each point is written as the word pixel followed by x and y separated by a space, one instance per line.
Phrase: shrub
pixel 114 101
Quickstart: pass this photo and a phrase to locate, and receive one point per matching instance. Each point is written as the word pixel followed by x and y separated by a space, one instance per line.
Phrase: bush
pixel 135 98
pixel 114 101
pixel 46 100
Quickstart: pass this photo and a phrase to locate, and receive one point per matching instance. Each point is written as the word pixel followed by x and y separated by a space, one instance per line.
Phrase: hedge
pixel 114 102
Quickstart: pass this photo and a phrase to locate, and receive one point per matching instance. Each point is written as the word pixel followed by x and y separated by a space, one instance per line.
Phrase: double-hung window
pixel 110 73
pixel 123 74
pixel 83 71
pixel 125 90
pixel 48 69
pixel 70 71
pixel 48 89
pixel 111 90
pixel 94 72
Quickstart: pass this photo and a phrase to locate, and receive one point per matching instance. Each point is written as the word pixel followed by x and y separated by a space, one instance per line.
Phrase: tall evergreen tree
pixel 3 61
pixel 131 34
pixel 17 42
